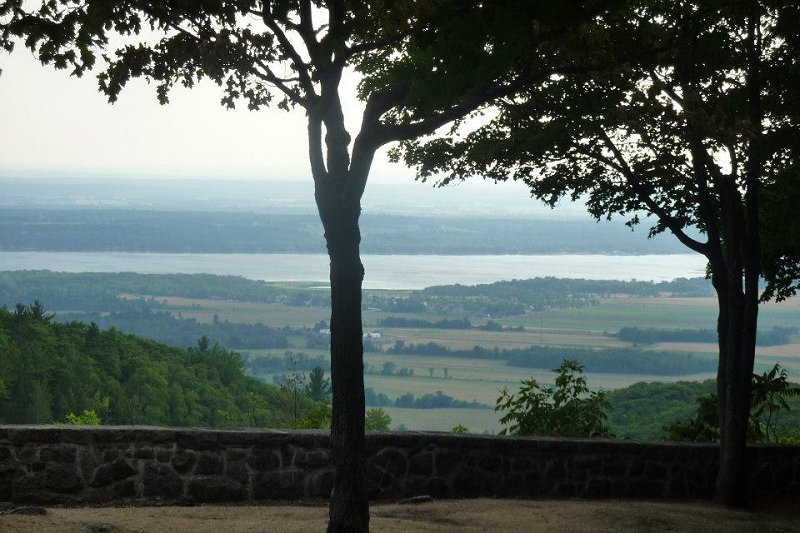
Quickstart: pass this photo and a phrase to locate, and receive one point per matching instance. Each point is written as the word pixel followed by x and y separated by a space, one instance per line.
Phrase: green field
pixel 480 380
pixel 473 379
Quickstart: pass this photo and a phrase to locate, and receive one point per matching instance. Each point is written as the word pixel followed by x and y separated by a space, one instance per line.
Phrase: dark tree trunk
pixel 738 312
pixel 349 508
pixel 735 272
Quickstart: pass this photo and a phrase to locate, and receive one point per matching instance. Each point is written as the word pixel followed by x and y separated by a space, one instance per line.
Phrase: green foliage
pixel 459 429
pixel 569 409
pixel 376 419
pixel 642 410
pixel 318 387
pixel 437 400
pixel 702 427
pixel 51 370
pixel 776 336
pixel 88 417
pixel 316 416
pixel 613 360
pixel 770 392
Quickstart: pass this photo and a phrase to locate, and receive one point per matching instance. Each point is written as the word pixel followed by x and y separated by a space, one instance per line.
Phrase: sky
pixel 57 126
pixel 54 123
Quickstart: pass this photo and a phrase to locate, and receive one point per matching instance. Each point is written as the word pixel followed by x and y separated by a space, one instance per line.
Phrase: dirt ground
pixel 439 517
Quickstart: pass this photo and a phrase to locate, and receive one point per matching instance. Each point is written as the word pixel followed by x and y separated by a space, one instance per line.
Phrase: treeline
pixel 183 332
pixel 96 291
pixel 456 323
pixel 775 337
pixel 644 410
pixel 534 290
pixel 403 322
pixel 270 364
pixel 123 292
pixel 50 370
pixel 517 297
pixel 608 360
pixel 437 400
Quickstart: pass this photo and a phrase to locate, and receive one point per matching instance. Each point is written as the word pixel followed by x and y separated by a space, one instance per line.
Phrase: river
pixel 382 271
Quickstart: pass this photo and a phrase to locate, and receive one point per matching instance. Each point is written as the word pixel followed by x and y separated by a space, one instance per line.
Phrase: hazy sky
pixel 56 123
pixel 53 125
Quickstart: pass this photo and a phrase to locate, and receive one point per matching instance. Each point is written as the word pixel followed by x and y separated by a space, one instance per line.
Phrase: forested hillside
pixel 50 370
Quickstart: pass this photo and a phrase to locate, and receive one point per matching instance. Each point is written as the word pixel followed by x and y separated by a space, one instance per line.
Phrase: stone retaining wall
pixel 146 465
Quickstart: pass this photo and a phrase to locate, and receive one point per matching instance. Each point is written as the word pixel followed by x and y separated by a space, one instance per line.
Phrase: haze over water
pixel 382 271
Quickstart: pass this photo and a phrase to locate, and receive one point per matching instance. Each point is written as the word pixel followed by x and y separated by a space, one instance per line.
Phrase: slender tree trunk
pixel 737 319
pixel 736 283
pixel 349 508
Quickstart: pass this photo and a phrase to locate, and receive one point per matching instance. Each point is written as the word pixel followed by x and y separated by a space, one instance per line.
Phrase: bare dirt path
pixel 435 517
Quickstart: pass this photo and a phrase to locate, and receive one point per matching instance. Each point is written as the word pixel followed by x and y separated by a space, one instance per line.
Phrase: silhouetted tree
pixel 421 62
pixel 689 116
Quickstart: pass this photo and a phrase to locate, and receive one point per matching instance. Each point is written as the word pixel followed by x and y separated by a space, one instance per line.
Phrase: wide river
pixel 382 271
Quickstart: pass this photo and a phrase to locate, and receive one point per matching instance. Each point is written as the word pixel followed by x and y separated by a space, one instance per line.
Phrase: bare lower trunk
pixel 737 335
pixel 349 508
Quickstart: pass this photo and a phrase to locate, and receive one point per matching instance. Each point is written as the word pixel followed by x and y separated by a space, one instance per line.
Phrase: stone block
pixel 655 471
pixel 446 462
pixel 238 471
pixel 203 489
pixel 58 454
pixel 264 460
pixel 468 483
pixel 62 478
pixel 183 461
pixel 110 472
pixel 235 454
pixel 597 488
pixel 163 455
pixel 320 483
pixel 286 484
pixel 391 460
pixel 318 458
pixel 143 452
pixel 161 481
pixel 421 464
pixel 124 489
pixel 615 467
pixel 31 434
pixel 198 440
pixel 439 488
pixel 555 471
pixel 209 464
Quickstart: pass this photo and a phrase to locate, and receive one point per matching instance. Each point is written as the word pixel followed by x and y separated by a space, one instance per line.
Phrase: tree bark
pixel 349 508
pixel 736 325
pixel 735 272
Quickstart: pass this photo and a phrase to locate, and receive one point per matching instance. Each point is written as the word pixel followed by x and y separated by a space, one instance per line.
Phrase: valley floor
pixel 440 517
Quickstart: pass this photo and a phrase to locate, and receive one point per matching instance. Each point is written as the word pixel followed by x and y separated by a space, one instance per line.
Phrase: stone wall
pixel 145 465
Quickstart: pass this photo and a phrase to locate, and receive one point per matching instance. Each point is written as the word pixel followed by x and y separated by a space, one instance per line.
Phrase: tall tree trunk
pixel 735 274
pixel 349 508
pixel 737 322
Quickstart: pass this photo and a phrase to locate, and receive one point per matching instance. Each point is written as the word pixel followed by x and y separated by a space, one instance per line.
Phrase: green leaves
pixel 49 371
pixel 769 394
pixel 569 409
pixel 376 419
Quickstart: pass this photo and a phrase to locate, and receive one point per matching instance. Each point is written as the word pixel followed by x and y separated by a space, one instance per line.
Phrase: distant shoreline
pixel 384 271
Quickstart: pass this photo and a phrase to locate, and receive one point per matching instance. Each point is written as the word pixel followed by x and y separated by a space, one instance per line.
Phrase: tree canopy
pixel 50 370
pixel 685 112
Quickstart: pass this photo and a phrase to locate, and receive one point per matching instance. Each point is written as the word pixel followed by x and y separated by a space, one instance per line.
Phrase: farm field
pixel 460 341
pixel 480 379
